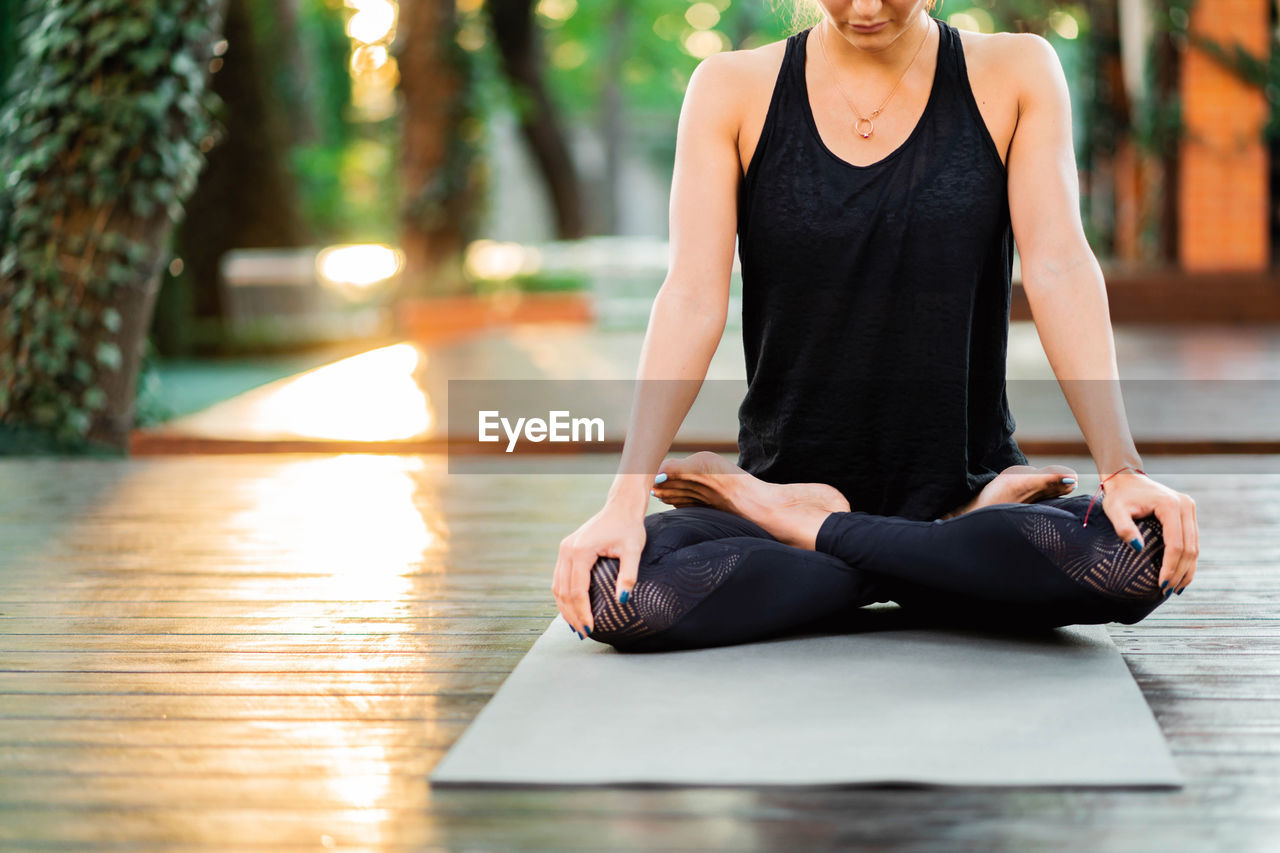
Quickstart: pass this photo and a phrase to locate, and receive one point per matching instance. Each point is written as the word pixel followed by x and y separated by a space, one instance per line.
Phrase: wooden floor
pixel 271 652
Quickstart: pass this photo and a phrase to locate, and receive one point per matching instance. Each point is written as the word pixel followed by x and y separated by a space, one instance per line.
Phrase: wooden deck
pixel 271 652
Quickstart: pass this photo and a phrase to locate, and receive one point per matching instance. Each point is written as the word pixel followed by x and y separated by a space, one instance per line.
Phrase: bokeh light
pixel 492 259
pixel 374 71
pixel 360 266
pixel 1064 24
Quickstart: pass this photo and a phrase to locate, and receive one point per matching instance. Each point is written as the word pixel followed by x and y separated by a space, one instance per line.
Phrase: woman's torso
pixel 876 289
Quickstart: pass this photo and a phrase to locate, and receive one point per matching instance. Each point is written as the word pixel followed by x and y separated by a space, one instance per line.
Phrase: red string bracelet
pixel 1100 489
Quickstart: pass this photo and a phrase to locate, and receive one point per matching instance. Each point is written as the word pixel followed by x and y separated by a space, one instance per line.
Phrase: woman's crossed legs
pixel 709 576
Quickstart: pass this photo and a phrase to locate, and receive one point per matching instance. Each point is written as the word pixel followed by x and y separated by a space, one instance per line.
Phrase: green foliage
pixel 1157 121
pixel 551 282
pixel 655 43
pixel 346 175
pixel 8 40
pixel 542 282
pixel 345 187
pixel 151 408
pixel 101 141
pixel 650 48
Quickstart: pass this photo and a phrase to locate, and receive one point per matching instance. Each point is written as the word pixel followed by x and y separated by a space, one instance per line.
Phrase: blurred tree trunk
pixel 1110 124
pixel 246 197
pixel 137 307
pixel 614 118
pixel 93 218
pixel 439 154
pixel 516 35
pixel 298 74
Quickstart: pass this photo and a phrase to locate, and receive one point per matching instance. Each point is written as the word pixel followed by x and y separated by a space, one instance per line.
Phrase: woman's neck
pixel 854 53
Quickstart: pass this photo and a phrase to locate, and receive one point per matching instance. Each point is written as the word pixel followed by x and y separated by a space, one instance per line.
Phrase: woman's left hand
pixel 1130 495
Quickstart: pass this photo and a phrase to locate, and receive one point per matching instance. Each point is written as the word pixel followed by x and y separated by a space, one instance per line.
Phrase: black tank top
pixel 875 311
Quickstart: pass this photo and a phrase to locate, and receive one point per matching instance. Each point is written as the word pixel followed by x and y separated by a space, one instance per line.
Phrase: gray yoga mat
pixel 907 705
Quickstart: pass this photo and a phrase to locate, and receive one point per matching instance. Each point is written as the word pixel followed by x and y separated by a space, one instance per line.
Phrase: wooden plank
pixel 432 731
pixel 287 683
pixel 271 708
pixel 372 645
pixel 197 611
pixel 227 760
pixel 283 625
pixel 1158 688
pixel 423 662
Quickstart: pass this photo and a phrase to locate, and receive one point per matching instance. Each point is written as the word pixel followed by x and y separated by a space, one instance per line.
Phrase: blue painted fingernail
pixel 580 637
pixel 587 628
pixel 1168 592
pixel 1068 479
pixel 652 492
pixel 1180 591
pixel 1136 543
pixel 1163 584
pixel 661 478
pixel 622 599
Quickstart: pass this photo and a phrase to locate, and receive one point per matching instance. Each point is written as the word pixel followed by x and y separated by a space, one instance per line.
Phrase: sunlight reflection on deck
pixel 350 528
pixel 368 397
pixel 306 568
pixel 374 396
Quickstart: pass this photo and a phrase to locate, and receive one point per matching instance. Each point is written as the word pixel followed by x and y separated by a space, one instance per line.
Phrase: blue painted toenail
pixel 661 478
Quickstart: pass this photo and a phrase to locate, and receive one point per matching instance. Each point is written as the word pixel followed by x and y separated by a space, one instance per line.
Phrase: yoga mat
pixel 914 706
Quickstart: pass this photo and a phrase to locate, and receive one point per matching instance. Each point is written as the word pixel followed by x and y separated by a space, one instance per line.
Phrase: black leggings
pixel 711 578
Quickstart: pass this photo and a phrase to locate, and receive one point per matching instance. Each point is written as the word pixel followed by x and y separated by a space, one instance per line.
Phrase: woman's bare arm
pixel 1065 289
pixel 689 313
pixel 685 326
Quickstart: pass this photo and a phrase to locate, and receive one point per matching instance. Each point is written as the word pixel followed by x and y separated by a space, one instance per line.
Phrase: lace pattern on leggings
pixel 1096 557
pixel 660 598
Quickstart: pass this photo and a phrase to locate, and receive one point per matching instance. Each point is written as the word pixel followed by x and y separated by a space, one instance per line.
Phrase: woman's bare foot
pixel 790 512
pixel 793 512
pixel 1021 484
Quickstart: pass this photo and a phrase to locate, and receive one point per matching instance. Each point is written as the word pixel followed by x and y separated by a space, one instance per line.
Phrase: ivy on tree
pixel 103 133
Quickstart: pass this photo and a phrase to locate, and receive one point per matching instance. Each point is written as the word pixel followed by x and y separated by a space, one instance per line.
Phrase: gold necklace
pixel 871 125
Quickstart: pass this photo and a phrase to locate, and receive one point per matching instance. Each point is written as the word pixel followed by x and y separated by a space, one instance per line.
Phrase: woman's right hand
pixel 614 531
pixel 686 324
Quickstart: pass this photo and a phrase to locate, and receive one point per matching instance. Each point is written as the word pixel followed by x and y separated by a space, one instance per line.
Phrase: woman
pixel 876 169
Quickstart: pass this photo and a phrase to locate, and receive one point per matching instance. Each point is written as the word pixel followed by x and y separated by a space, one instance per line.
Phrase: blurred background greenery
pixel 369 153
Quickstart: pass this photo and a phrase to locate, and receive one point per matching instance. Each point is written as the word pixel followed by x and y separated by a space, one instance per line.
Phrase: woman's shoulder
pixel 1007 57
pixel 743 80
pixel 745 68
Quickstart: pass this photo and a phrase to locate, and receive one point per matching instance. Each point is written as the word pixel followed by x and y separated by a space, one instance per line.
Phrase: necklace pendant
pixel 869 127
